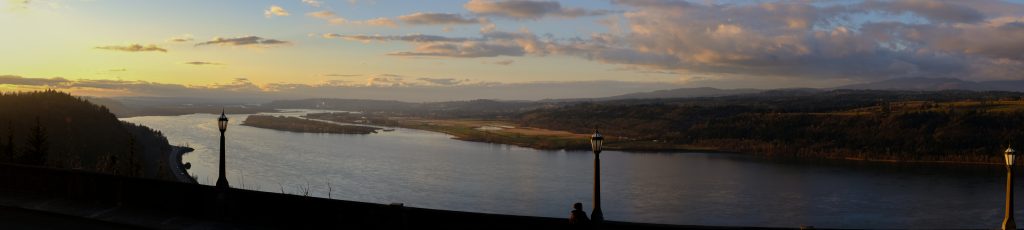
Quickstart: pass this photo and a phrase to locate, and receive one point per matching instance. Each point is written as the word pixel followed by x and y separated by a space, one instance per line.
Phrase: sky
pixel 496 49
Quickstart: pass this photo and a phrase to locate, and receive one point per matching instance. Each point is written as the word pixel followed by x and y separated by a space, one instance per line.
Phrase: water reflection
pixel 426 169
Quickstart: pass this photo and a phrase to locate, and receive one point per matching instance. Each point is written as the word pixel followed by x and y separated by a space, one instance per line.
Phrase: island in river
pixel 504 132
pixel 300 125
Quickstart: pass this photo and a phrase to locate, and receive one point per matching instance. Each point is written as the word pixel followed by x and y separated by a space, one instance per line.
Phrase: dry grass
pixel 526 131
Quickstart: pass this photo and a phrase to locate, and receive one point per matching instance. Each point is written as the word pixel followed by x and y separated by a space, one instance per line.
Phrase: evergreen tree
pixel 134 165
pixel 9 150
pixel 37 147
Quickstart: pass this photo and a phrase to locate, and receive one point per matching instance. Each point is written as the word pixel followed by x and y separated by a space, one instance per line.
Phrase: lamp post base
pixel 222 183
pixel 596 216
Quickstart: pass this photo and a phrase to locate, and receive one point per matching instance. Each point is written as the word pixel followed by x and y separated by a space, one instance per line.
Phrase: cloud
pixel 407 38
pixel 487 26
pixel 275 10
pixel 491 44
pixel 133 48
pixel 201 63
pixel 18 80
pixel 325 15
pixel 386 80
pixel 340 75
pixel 935 11
pixel 421 18
pixel 240 84
pixel 504 62
pixel 469 49
pixel 18 4
pixel 334 19
pixel 313 3
pixel 863 40
pixel 789 40
pixel 800 41
pixel 117 70
pixel 527 9
pixel 644 70
pixel 443 81
pixel 182 38
pixel 381 21
pixel 243 41
pixel 26 5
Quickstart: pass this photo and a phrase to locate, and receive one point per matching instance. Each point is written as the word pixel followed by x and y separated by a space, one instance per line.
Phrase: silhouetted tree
pixel 37 146
pixel 134 167
pixel 8 147
pixel 112 163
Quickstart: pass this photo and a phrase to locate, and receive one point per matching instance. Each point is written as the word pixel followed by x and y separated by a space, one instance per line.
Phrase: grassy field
pixel 499 127
pixel 501 132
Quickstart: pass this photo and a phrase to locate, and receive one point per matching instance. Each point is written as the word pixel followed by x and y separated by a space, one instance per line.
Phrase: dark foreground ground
pixel 42 198
pixel 19 218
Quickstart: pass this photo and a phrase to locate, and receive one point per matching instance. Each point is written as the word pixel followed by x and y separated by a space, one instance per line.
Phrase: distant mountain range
pixel 936 84
pixel 668 93
pixel 683 93
pixel 904 84
pixel 139 106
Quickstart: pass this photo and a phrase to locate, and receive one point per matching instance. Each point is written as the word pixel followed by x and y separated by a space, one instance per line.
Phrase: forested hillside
pixel 54 129
pixel 879 125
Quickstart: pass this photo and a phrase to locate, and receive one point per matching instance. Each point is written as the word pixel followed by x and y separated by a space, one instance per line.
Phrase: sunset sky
pixel 442 50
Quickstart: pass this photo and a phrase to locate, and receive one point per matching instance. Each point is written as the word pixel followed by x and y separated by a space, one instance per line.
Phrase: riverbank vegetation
pixel 954 126
pixel 300 125
pixel 939 126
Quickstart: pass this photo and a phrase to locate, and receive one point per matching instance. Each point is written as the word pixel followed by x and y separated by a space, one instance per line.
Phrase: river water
pixel 431 170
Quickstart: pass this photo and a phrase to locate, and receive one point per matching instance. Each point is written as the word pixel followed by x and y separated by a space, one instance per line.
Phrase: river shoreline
pixel 551 140
pixel 177 165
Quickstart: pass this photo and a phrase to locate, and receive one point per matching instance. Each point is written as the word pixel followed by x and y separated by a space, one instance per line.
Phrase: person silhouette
pixel 578 216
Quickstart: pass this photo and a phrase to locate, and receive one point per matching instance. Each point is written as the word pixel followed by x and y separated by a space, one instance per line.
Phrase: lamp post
pixel 1010 157
pixel 222 123
pixel 595 144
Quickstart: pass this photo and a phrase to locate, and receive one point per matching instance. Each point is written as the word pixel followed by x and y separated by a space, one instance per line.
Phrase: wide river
pixel 431 170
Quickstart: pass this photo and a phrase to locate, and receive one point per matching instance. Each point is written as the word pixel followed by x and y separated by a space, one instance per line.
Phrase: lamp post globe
pixel 596 141
pixel 1010 156
pixel 222 124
